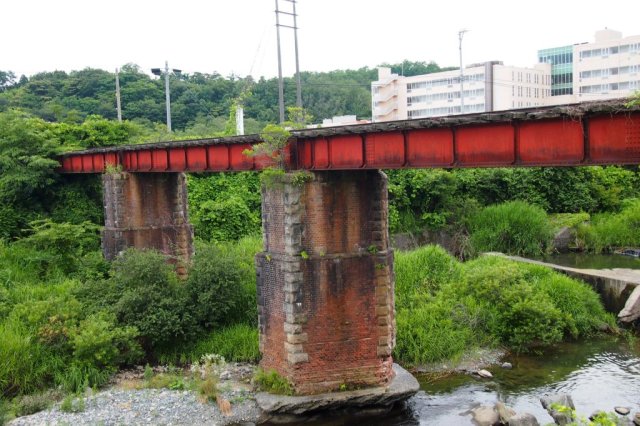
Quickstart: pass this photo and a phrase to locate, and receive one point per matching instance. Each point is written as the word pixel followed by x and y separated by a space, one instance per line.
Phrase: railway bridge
pixel 325 277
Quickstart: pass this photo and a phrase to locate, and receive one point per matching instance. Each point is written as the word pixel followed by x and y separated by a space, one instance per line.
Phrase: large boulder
pixel 485 415
pixel 523 419
pixel 560 407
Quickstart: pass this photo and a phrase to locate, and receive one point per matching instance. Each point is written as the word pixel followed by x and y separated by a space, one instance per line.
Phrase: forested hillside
pixel 200 103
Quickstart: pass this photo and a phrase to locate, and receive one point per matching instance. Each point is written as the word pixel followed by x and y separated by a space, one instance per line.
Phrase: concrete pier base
pixel 296 409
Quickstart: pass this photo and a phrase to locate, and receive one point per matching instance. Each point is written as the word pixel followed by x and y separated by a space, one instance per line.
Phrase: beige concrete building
pixel 608 68
pixel 490 86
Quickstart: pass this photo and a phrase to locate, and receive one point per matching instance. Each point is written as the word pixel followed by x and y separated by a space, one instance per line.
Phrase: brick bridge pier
pixel 147 210
pixel 325 281
pixel 325 277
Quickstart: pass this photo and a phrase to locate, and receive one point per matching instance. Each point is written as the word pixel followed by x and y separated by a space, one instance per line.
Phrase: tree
pixel 7 79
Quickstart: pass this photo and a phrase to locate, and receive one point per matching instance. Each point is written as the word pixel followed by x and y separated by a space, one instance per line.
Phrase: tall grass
pixel 515 227
pixel 609 231
pixel 487 301
pixel 238 343
pixel 421 272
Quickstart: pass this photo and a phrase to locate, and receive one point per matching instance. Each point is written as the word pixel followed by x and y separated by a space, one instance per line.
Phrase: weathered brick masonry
pixel 147 210
pixel 325 281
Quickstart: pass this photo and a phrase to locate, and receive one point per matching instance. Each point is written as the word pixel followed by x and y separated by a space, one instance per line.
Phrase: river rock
pixel 484 374
pixel 507 365
pixel 504 412
pixel 485 416
pixel 631 310
pixel 623 411
pixel 636 419
pixel 559 399
pixel 523 419
pixel 562 239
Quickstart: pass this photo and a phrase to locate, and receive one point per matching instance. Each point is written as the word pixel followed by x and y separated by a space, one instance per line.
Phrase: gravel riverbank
pixel 145 407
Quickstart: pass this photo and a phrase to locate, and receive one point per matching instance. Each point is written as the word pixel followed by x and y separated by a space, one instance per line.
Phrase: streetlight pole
pixel 118 105
pixel 167 94
pixel 460 35
pixel 159 72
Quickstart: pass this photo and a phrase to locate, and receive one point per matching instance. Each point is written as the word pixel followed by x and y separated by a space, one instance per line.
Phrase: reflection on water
pixel 599 375
pixel 593 261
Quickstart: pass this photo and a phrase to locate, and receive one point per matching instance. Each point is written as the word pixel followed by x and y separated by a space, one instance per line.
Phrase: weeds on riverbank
pixel 489 301
pixel 610 231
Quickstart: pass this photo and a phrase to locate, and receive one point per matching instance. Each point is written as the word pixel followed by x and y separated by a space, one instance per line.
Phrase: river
pixel 599 374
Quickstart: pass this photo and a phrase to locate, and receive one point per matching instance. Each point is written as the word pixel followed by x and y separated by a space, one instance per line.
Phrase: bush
pixel 213 286
pixel 146 295
pixel 272 382
pixel 614 230
pixel 429 333
pixel 77 377
pixel 514 227
pixel 30 404
pixel 224 220
pixel 100 343
pixel 422 272
pixel 26 365
pixel 143 292
pixel 60 246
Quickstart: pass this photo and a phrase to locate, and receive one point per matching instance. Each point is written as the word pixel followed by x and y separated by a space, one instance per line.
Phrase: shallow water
pixel 598 374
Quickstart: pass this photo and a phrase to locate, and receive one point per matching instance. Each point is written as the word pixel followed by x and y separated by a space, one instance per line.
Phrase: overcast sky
pixel 239 36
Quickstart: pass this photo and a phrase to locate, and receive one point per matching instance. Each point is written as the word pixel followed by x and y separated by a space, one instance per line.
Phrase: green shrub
pixel 4 412
pixel 422 272
pixel 213 286
pixel 77 377
pixel 514 227
pixel 224 220
pixel 224 206
pixel 30 404
pixel 60 246
pixel 237 343
pixel 71 404
pixel 614 230
pixel 429 333
pixel 99 342
pixel 26 365
pixel 271 381
pixel 243 253
pixel 143 292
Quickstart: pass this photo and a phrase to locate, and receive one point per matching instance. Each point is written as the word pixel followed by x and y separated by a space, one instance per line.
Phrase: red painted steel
pixel 561 141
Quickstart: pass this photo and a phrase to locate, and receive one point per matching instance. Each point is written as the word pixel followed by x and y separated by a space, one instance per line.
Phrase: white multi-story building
pixel 605 69
pixel 490 86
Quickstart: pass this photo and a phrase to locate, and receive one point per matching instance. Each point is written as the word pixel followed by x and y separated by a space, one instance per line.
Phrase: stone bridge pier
pixel 147 210
pixel 325 281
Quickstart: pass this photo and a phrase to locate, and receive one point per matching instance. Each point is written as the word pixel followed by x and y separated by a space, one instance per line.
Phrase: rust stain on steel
pixel 567 135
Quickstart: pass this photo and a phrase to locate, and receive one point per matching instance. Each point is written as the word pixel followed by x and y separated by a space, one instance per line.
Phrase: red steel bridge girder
pixel 593 139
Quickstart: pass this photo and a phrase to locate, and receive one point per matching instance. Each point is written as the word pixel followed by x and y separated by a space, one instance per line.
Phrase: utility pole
pixel 460 35
pixel 280 83
pixel 294 14
pixel 295 38
pixel 159 72
pixel 118 106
